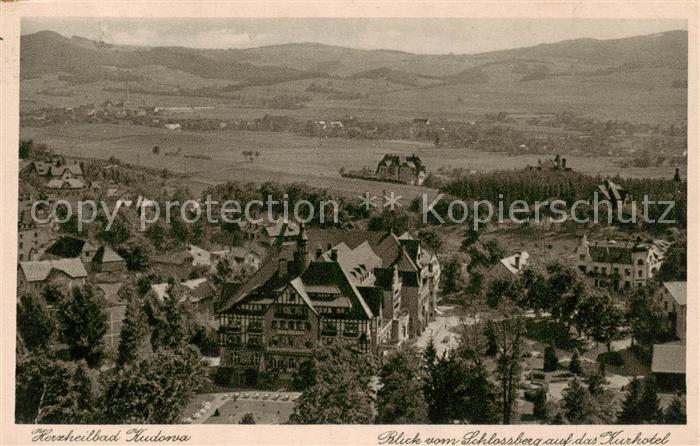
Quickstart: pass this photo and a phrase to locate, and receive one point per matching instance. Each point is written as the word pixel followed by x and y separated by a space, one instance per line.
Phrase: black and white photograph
pixel 352 221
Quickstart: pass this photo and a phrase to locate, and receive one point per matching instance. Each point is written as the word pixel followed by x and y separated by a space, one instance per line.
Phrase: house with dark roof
pixel 509 267
pixel 403 169
pixel 106 260
pixel 328 285
pixel 271 232
pixel 71 247
pixel 620 264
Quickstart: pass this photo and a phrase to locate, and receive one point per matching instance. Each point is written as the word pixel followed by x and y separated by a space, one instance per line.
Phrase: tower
pixel 301 256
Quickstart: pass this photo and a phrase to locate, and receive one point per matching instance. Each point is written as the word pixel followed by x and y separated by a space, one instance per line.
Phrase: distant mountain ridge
pixel 48 52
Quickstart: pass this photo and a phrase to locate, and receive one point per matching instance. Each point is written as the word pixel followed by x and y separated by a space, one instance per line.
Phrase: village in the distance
pixel 388 314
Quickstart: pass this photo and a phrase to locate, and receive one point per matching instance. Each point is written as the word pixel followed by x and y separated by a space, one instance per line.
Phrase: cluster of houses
pixel 625 265
pixel 372 288
pixel 57 175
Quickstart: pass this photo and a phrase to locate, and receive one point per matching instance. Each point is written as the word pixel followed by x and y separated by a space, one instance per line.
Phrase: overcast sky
pixel 427 36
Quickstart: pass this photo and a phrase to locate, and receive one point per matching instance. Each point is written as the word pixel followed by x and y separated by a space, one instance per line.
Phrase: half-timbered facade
pixel 343 291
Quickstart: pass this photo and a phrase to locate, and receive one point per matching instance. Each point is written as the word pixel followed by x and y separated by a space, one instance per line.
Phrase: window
pixel 640 273
pixel 582 257
pixel 274 324
pixel 627 272
pixel 605 270
pixel 616 270
pixel 640 262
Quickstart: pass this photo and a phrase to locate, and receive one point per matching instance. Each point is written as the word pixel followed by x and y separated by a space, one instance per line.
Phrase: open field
pixel 285 157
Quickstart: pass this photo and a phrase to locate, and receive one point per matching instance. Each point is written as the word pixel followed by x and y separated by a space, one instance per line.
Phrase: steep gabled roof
pixel 110 255
pixel 35 271
pixel 68 247
pixel 265 278
pixel 331 273
pixel 668 358
pixel 678 290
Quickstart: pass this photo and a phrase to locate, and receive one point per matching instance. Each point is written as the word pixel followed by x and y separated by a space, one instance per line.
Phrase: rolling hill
pixel 636 78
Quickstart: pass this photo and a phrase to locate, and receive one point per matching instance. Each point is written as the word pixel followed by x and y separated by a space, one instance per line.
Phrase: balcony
pixel 254 329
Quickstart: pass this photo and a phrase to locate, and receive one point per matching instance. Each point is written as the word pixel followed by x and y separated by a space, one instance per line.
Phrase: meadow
pixel 285 157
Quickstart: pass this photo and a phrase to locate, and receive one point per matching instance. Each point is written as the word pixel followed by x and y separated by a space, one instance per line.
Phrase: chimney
pixel 329 246
pixel 517 261
pixel 334 255
pixel 319 253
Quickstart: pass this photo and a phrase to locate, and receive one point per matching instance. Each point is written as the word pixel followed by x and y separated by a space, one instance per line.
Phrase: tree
pixel 156 234
pixel 74 405
pixel 137 254
pixel 83 325
pixel 400 398
pixel 38 381
pixel 630 412
pixel 393 220
pixel 247 418
pixel 649 409
pixel 153 390
pixel 597 383
pixel 674 267
pixel 551 362
pixel 343 393
pixel 452 275
pixel 607 321
pixel 117 233
pixel 675 412
pixel 501 290
pixel 25 148
pixel 490 335
pixel 577 403
pixel 540 404
pixel 305 376
pixel 455 391
pixel 535 292
pixel 471 236
pixel 575 364
pixel 133 333
pixel 52 293
pixel 170 327
pixel 430 239
pixel 429 354
pixel 34 323
pixel 648 320
pixel 509 333
pixel 47 391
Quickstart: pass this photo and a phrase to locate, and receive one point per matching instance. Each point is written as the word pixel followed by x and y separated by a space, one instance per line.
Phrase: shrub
pixel 611 358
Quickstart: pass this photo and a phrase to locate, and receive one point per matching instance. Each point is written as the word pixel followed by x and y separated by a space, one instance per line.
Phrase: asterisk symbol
pixel 392 200
pixel 367 200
